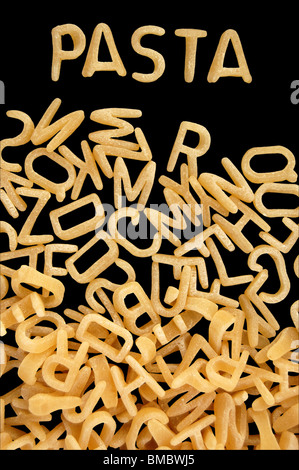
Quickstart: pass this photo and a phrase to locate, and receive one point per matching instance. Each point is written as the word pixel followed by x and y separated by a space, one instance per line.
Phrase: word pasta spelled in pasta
pixel 102 32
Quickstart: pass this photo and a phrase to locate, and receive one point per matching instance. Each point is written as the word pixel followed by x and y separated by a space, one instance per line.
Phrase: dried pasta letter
pixel 191 36
pixel 142 186
pixel 156 57
pixel 80 228
pixel 63 358
pixel 86 167
pixel 9 197
pixel 99 265
pixel 5 227
pixel 92 64
pixel 132 314
pixel 29 275
pixel 281 271
pixel 287 173
pixel 20 139
pixel 25 237
pixel 79 42
pixel 235 231
pixel 216 185
pixel 281 188
pixel 192 153
pixel 59 189
pixel 101 346
pixel 43 343
pixel 112 117
pixel 61 129
pixel 217 68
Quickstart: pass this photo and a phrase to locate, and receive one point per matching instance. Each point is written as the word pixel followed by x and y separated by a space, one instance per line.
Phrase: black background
pixel 238 115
